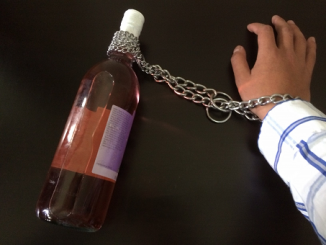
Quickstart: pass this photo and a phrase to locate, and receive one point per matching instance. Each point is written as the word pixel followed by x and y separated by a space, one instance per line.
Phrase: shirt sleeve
pixel 293 141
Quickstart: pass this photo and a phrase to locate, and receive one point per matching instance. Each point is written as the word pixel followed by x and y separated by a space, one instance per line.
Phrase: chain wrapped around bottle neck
pixel 125 42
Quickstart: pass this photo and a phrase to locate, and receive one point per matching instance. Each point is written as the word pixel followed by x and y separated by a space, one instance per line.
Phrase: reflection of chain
pixel 125 42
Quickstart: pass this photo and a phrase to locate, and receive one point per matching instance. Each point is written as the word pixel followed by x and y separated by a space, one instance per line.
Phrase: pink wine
pixel 82 175
pixel 79 201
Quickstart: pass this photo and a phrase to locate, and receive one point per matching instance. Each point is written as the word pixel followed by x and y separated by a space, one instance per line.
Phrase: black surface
pixel 183 180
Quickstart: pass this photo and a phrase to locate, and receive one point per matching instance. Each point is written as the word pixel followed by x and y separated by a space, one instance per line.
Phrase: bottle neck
pixel 121 57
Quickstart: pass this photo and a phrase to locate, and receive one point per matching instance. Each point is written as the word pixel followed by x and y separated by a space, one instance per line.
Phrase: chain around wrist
pixel 125 42
pixel 244 107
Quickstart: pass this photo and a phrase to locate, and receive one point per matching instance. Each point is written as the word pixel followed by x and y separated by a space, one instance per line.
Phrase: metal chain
pixel 126 42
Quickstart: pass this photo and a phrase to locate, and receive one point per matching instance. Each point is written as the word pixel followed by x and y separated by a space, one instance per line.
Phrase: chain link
pixel 211 99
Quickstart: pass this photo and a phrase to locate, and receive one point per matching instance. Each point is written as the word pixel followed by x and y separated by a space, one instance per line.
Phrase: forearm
pixel 292 139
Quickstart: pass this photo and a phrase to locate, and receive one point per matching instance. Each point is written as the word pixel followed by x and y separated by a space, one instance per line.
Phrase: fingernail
pixel 237 49
pixel 313 39
pixel 291 22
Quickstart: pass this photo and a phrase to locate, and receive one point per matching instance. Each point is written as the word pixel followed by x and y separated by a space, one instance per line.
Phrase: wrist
pixel 259 107
pixel 261 111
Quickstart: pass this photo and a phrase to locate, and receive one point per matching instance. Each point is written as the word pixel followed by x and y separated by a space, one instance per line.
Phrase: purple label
pixel 113 143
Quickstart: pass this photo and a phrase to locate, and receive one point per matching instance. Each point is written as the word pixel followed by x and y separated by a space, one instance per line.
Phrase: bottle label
pixel 113 143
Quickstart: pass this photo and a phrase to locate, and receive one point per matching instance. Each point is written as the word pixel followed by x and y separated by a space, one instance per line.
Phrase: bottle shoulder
pixel 110 82
pixel 119 68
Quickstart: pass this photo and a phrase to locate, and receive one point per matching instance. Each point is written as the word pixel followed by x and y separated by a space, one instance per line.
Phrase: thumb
pixel 240 66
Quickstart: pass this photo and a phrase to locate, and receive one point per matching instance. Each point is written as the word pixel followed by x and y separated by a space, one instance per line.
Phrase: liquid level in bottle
pixel 75 200
pixel 74 194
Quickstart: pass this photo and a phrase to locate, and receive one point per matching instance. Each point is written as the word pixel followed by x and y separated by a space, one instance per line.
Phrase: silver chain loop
pixel 125 42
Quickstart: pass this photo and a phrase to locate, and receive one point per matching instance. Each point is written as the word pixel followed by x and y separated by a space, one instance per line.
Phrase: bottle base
pixel 74 200
pixel 69 225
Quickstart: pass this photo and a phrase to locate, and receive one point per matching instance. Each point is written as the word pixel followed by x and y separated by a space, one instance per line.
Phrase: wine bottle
pixel 84 170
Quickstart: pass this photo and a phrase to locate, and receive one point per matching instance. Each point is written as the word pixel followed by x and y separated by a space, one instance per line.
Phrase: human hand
pixel 283 66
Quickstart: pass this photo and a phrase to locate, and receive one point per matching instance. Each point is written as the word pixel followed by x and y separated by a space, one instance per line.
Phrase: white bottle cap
pixel 132 22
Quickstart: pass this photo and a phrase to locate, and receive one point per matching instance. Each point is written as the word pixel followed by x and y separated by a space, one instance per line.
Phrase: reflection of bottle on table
pixel 82 176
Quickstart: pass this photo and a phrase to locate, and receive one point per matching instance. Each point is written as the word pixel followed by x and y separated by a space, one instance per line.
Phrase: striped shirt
pixel 293 141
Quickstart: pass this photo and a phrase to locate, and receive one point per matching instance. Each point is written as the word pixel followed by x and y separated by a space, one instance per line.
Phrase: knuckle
pixel 287 30
pixel 267 28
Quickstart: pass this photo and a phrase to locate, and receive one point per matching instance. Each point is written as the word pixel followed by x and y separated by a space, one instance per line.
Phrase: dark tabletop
pixel 183 179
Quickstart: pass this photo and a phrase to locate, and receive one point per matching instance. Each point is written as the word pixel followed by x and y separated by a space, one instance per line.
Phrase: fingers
pixel 311 54
pixel 299 41
pixel 289 37
pixel 240 66
pixel 265 35
pixel 285 33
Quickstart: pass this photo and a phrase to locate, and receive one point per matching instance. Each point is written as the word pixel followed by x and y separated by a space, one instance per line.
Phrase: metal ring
pixel 217 121
pixel 215 106
pixel 224 94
